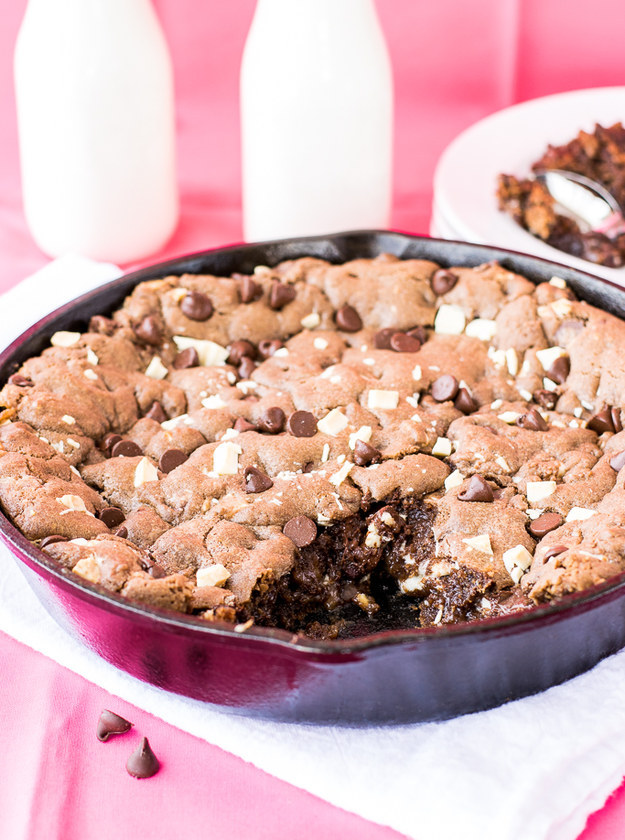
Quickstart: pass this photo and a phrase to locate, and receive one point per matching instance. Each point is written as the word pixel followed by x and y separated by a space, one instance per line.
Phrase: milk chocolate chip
pixel 301 530
pixel 444 388
pixel 143 763
pixel 170 459
pixel 302 424
pixel 544 524
pixel 443 281
pixel 187 359
pixel 348 319
pixel 111 724
pixel 256 481
pixel 196 306
pixel 478 491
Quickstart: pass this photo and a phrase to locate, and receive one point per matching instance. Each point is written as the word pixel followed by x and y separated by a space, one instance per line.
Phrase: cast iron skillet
pixel 388 677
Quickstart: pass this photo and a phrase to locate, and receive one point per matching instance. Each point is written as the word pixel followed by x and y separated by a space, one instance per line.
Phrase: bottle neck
pixel 282 13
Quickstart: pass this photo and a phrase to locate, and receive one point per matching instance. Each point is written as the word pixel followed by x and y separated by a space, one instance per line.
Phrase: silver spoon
pixel 589 203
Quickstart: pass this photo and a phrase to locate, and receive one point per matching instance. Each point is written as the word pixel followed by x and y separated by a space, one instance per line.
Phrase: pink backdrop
pixel 454 63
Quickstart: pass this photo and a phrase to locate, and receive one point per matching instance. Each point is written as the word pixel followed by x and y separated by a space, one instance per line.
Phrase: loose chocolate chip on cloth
pixel 111 724
pixel 143 764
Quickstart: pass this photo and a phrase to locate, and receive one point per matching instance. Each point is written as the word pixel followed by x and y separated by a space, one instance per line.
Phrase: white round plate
pixel 508 141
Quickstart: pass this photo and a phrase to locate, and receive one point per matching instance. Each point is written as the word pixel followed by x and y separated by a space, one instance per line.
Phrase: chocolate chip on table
pixel 249 290
pixel 239 350
pixel 112 517
pixel 256 481
pixel 149 330
pixel 272 420
pixel 617 462
pixel 301 530
pixel 533 421
pixel 243 425
pixel 404 343
pixel 122 532
pixel 280 294
pixel 197 306
pixel 559 370
pixel 602 421
pixel 53 538
pixel 554 551
pixel 443 281
pixel 20 381
pixel 143 763
pixel 365 454
pixel 246 368
pixel 444 388
pixel 186 359
pixel 170 459
pixel 347 319
pixel 111 724
pixel 126 448
pixel 464 402
pixel 109 441
pixel 382 339
pixel 545 399
pixel 479 490
pixel 156 412
pixel 268 346
pixel 544 524
pixel 302 424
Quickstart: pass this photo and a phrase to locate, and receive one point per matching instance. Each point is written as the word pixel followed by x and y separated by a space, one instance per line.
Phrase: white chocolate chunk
pixel 168 425
pixel 479 543
pixel 364 434
pixel 209 353
pixel 512 360
pixel 558 282
pixel 67 418
pixel 325 452
pixel 373 539
pixel 455 479
pixel 412 584
pixel 214 401
pixel 90 374
pixel 320 343
pixel 309 322
pixel 91 357
pixel 509 417
pixel 548 356
pixel 538 490
pixel 449 320
pixel 577 514
pixel 534 513
pixel 215 575
pixel 561 308
pixel 442 447
pixel 333 423
pixel 339 477
pixel 517 560
pixel 145 471
pixel 156 369
pixel 483 328
pixel 88 569
pixel 71 502
pixel 379 399
pixel 417 373
pixel 63 338
pixel 226 458
pixel 281 352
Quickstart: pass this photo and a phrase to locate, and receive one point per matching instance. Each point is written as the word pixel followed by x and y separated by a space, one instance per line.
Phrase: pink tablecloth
pixel 454 63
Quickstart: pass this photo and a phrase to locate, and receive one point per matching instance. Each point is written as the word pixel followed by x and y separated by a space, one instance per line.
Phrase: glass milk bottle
pixel 316 119
pixel 95 107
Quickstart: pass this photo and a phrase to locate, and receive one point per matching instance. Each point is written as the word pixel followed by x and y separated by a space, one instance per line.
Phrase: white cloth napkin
pixel 535 768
